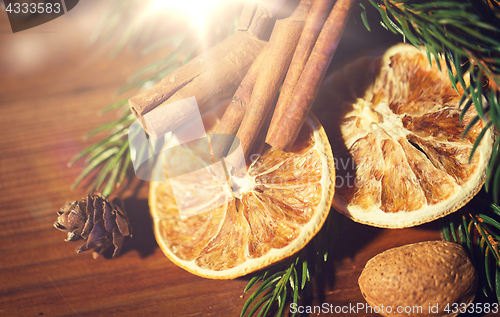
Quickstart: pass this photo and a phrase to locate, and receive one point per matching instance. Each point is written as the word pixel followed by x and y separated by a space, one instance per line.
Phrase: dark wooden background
pixel 52 85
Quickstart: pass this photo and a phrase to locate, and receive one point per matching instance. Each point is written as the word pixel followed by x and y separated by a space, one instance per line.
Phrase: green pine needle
pixel 482 225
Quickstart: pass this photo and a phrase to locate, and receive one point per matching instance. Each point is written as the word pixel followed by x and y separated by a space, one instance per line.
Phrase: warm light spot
pixel 196 10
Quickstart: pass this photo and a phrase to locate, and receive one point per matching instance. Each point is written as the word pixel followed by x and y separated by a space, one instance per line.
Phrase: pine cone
pixel 97 221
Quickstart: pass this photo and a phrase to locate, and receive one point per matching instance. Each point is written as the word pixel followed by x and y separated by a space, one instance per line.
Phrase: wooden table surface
pixel 52 86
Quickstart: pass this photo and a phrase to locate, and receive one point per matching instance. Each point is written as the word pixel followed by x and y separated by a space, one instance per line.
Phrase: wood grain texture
pixel 52 86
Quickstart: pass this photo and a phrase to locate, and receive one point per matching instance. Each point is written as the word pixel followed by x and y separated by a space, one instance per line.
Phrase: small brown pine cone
pixel 97 221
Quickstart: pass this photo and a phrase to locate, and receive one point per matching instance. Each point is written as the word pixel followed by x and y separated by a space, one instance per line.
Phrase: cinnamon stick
pixel 286 130
pixel 210 77
pixel 278 55
pixel 256 14
pixel 233 116
pixel 314 23
pixel 231 120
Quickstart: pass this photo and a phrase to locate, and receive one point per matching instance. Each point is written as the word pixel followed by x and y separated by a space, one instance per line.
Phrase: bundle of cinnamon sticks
pixel 296 58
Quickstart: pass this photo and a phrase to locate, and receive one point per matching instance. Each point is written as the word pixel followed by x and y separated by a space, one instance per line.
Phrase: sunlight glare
pixel 197 10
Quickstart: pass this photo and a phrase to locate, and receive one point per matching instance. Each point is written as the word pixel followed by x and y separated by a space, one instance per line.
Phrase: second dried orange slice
pixel 393 123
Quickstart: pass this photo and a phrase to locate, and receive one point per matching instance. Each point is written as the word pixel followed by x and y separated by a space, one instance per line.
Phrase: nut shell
pixel 423 274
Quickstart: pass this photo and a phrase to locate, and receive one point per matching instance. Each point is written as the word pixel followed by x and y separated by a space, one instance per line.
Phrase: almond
pixel 421 279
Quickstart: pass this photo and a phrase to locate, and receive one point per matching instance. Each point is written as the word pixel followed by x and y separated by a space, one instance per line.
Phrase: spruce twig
pixel 477 229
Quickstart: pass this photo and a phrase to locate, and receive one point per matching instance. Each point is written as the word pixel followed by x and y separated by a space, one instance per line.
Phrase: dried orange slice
pixel 285 200
pixel 393 123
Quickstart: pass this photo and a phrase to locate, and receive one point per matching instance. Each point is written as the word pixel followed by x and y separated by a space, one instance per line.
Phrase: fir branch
pixel 478 228
pixel 278 282
pixel 466 34
pixel 109 156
